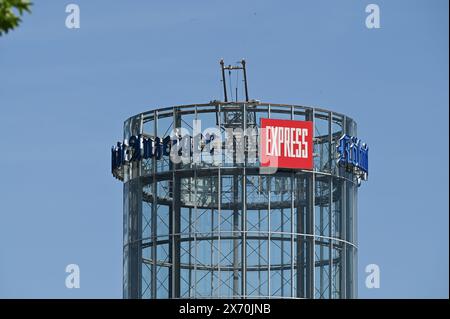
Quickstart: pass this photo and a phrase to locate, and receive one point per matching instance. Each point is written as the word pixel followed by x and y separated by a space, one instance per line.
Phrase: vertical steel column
pixel 330 205
pixel 134 244
pixel 292 294
pixel 321 246
pixel 244 206
pixel 135 214
pixel 301 240
pixel 190 247
pixel 236 232
pixel 343 226
pixel 244 238
pixel 212 237
pixel 355 241
pixel 195 221
pixel 311 230
pixel 175 219
pixel 126 240
pixel 321 223
pixel 259 249
pixel 355 232
pixel 349 260
pixel 138 217
pixel 330 253
pixel 219 207
pixel 292 230
pixel 310 282
pixel 154 211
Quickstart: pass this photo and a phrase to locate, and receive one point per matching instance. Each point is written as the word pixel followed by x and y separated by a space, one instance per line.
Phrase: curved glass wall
pixel 228 230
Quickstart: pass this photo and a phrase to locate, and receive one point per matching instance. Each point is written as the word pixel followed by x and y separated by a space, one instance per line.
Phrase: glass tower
pixel 229 230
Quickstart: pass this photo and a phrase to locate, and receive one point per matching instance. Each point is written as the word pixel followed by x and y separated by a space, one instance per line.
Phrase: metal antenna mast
pixel 232 68
pixel 234 118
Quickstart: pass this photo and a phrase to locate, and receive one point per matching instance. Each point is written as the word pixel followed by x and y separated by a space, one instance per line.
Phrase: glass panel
pixel 321 142
pixel 337 270
pixel 146 220
pixel 322 269
pixel 322 207
pixel 336 209
pixel 162 220
pixel 349 211
pixel 162 282
pixel 146 281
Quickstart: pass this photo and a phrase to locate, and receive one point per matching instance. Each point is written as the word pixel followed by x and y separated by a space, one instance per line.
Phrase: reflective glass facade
pixel 230 231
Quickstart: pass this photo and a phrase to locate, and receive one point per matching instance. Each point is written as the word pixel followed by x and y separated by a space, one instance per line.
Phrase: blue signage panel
pixel 354 155
pixel 139 147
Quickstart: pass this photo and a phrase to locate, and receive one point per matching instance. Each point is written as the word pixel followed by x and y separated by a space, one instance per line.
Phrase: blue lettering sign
pixel 354 155
pixel 139 147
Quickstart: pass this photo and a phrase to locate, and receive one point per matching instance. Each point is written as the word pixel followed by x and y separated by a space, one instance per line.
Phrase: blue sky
pixel 64 95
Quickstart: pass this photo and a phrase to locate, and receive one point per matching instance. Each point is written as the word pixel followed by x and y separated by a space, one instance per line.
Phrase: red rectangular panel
pixel 286 143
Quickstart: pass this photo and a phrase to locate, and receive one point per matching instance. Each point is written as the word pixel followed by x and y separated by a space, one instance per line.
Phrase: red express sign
pixel 286 143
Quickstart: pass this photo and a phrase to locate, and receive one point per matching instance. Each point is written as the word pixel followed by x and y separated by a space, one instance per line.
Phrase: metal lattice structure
pixel 199 230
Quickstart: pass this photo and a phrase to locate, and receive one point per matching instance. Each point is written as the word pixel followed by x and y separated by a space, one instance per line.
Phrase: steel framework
pixel 199 230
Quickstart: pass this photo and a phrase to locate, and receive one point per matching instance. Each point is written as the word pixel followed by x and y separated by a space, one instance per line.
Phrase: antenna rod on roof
pixel 223 80
pixel 231 68
pixel 245 79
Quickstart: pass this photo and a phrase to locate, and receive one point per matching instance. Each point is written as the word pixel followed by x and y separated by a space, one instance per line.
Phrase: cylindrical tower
pixel 216 224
